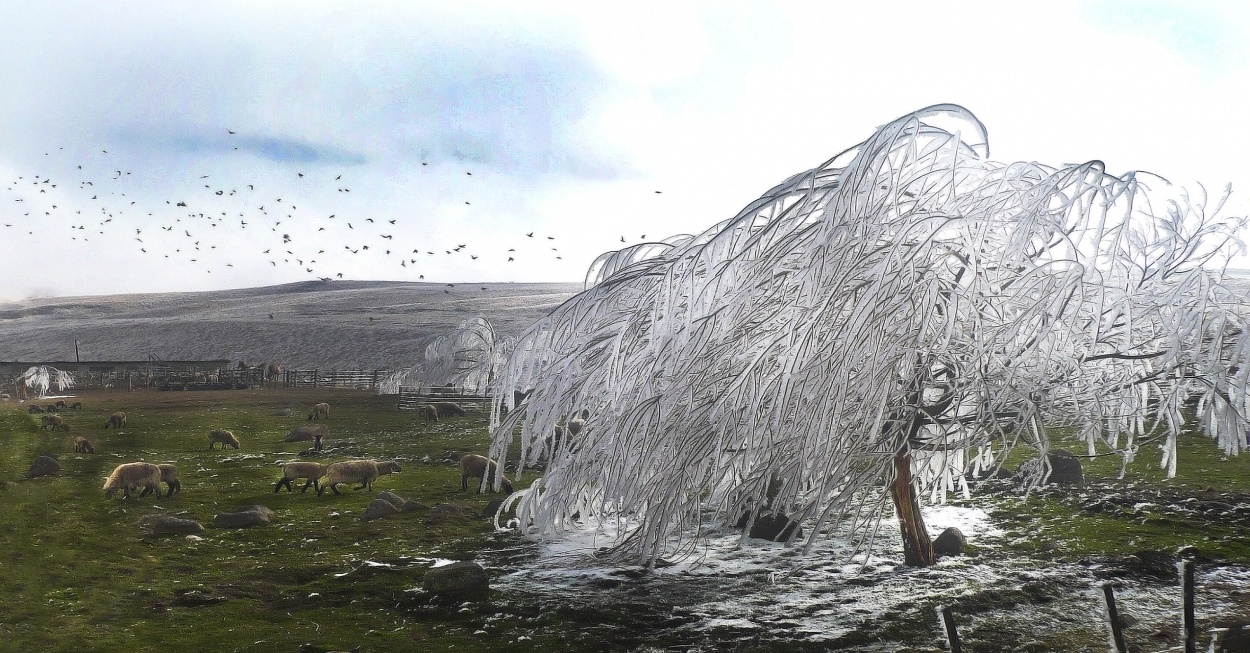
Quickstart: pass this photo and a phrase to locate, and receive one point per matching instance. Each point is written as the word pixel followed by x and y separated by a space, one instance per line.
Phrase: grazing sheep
pixel 448 408
pixel 60 404
pixel 116 420
pixel 53 422
pixel 475 466
pixel 34 409
pixel 431 413
pixel 76 405
pixel 50 408
pixel 169 476
pixel 132 475
pixel 320 411
pixel 301 433
pixel 224 437
pixel 291 471
pixel 364 472
pixel 83 445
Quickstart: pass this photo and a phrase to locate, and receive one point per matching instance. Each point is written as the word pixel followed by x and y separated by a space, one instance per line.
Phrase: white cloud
pixel 569 117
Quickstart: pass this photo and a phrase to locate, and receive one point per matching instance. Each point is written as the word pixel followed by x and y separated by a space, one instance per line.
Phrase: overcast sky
pixel 569 118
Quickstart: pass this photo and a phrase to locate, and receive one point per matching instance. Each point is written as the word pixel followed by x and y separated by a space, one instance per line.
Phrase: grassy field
pixel 79 569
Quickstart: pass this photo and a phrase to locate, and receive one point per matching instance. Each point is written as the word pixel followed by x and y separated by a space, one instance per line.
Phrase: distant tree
pixel 869 333
pixel 40 377
pixel 468 356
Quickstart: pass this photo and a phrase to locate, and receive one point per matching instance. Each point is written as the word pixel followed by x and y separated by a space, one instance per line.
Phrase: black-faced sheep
pixel 475 466
pixel 320 411
pixel 169 476
pixel 364 472
pixel 83 445
pixel 431 413
pixel 116 420
pixel 291 471
pixel 224 437
pixel 448 408
pixel 132 475
pixel 302 433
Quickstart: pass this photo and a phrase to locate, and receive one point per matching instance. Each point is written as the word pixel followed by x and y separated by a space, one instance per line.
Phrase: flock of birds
pixel 204 226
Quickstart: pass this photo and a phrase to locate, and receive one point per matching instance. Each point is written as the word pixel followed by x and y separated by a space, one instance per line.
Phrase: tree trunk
pixel 917 547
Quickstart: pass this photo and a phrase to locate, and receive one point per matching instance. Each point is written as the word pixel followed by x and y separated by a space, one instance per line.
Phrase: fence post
pixel 1113 620
pixel 947 621
pixel 1186 569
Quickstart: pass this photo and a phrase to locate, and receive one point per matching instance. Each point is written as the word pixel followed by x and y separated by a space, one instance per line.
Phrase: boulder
pixel 444 511
pixel 950 542
pixel 1235 640
pixel 168 525
pixel 457 579
pixel 378 509
pixel 44 466
pixel 1065 468
pixel 285 412
pixel 775 528
pixel 404 505
pixel 491 508
pixel 244 517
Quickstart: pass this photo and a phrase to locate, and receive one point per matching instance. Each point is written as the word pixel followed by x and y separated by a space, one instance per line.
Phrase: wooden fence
pixel 167 379
pixel 414 397
pixel 1115 628
pixel 356 379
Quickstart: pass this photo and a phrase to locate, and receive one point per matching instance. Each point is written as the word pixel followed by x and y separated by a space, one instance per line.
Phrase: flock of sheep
pixel 146 478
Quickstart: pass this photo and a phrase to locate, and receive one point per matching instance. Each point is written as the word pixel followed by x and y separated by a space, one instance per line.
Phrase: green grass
pixel 1077 519
pixel 77 568
pixel 77 571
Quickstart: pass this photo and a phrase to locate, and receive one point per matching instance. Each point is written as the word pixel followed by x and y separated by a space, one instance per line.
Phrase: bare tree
pixel 872 331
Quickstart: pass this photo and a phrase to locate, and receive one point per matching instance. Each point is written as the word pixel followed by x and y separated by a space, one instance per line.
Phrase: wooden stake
pixel 1113 620
pixel 947 619
pixel 1186 567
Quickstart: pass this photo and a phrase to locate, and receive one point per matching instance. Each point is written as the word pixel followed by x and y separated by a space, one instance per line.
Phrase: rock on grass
pixel 457 579
pixel 244 517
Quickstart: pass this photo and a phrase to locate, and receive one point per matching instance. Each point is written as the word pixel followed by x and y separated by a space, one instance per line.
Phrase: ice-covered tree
pixel 41 377
pixel 868 332
pixel 468 356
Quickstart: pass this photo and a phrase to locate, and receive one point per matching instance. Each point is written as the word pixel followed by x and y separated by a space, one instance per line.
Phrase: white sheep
pixel 320 411
pixel 364 472
pixel 116 420
pixel 448 408
pixel 53 422
pixel 475 466
pixel 293 470
pixel 224 437
pixel 132 475
pixel 169 476
pixel 431 413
